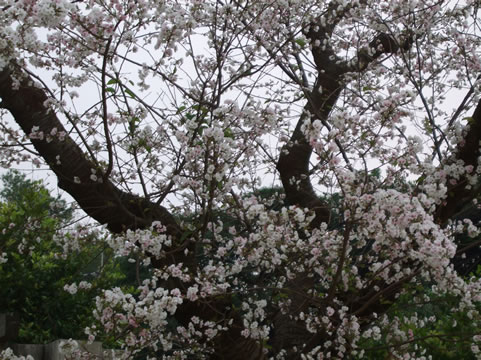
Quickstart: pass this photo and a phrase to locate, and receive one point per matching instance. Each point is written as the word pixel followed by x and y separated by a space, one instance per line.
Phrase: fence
pixel 9 326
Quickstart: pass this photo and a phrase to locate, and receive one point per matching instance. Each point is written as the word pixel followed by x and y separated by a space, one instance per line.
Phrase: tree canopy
pixel 38 280
pixel 164 119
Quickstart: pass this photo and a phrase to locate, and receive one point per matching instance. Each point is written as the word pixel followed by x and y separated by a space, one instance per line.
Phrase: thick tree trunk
pixel 119 210
pixel 103 201
pixel 459 193
pixel 106 203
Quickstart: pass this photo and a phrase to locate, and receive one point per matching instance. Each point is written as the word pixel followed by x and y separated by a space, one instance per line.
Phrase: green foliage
pixel 32 280
pixel 33 195
pixel 445 335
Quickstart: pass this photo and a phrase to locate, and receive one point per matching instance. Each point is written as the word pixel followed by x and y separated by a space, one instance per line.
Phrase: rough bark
pixel 107 204
pixel 459 195
pixel 293 167
pixel 120 210
pixel 103 202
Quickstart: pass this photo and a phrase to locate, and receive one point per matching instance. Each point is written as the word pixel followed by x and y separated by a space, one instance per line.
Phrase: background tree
pixel 36 273
pixel 185 106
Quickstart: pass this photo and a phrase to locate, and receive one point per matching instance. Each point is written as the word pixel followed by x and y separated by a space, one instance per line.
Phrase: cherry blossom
pixel 166 122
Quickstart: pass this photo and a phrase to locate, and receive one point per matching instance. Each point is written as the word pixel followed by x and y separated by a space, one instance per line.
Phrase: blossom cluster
pixel 195 103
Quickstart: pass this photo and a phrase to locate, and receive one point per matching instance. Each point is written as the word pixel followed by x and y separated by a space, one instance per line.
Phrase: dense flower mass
pixel 301 178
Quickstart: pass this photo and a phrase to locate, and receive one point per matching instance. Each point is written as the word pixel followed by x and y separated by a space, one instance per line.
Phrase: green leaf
pixel 180 109
pixel 133 125
pixel 427 125
pixel 301 42
pixel 130 93
pixel 228 133
pixel 376 173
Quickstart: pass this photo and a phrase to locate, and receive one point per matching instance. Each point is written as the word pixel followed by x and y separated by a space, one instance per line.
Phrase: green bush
pixel 33 278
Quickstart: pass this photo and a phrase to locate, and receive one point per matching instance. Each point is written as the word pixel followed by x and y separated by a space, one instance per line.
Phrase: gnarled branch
pixel 102 201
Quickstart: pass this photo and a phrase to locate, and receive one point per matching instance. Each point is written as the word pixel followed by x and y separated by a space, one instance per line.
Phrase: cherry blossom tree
pixel 163 119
